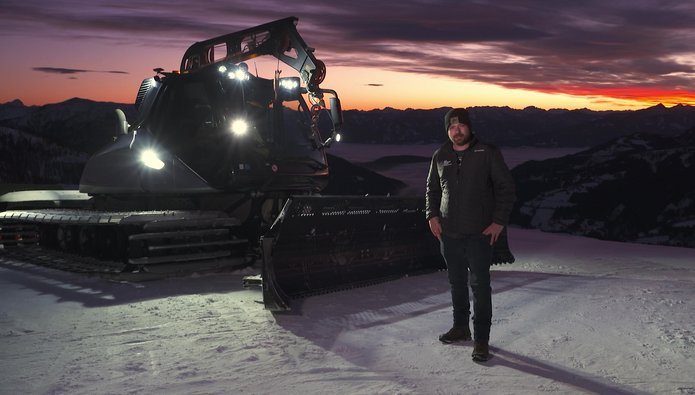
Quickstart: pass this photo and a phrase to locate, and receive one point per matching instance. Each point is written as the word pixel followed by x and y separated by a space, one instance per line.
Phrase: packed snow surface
pixel 571 315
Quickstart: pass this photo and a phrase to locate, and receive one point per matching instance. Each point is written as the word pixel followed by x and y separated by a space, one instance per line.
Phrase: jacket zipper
pixel 458 168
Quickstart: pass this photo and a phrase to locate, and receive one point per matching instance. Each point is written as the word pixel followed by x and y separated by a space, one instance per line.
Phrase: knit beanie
pixel 459 115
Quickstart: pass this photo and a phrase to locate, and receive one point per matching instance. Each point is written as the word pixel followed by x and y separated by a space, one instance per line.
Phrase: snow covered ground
pixel 572 315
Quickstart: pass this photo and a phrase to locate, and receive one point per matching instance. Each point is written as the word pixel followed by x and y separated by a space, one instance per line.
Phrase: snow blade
pixel 322 244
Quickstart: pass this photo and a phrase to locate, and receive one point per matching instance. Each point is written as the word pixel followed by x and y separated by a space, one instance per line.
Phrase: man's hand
pixel 493 231
pixel 436 227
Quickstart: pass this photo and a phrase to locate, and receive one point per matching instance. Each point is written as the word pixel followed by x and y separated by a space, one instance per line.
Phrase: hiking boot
pixel 456 334
pixel 481 351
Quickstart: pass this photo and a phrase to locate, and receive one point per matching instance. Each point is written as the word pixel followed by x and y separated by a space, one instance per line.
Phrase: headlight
pixel 238 74
pixel 235 72
pixel 289 88
pixel 239 127
pixel 289 83
pixel 150 159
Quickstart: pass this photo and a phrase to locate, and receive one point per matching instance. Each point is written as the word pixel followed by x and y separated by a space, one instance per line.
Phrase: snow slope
pixel 415 174
pixel 572 315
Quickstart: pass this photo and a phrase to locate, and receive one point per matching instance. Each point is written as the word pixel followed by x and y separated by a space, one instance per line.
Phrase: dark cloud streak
pixel 66 71
pixel 59 70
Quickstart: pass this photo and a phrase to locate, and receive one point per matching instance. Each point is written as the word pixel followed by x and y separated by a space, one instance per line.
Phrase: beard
pixel 461 140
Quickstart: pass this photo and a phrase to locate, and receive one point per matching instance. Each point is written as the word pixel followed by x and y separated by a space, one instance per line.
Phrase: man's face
pixel 459 133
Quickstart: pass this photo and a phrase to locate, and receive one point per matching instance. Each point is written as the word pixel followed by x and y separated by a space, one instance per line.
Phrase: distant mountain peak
pixel 533 109
pixel 13 103
pixel 13 109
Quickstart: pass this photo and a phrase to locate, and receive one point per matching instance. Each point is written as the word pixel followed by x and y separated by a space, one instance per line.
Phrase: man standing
pixel 470 194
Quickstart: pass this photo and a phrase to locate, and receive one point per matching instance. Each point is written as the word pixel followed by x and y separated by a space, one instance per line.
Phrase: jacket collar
pixel 449 146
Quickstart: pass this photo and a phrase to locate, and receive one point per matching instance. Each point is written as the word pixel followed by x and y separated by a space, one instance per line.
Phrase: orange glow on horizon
pixel 368 89
pixel 647 96
pixel 362 89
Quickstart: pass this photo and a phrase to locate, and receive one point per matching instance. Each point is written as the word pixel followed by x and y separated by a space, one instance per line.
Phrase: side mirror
pixel 337 117
pixel 336 112
pixel 122 122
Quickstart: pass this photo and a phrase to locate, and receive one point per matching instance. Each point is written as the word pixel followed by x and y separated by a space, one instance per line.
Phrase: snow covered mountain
pixel 507 127
pixel 27 159
pixel 14 109
pixel 78 124
pixel 635 188
pixel 87 125
pixel 50 144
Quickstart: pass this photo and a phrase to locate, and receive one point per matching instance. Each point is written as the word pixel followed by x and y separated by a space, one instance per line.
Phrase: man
pixel 470 194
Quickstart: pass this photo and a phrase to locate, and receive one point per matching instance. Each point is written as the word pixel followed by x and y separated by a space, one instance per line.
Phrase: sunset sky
pixel 422 54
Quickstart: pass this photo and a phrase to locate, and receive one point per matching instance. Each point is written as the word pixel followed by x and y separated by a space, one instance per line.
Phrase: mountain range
pixel 633 184
pixel 636 188
pixel 529 127
pixel 86 125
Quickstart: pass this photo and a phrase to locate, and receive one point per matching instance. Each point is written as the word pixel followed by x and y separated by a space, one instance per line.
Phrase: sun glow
pixel 377 89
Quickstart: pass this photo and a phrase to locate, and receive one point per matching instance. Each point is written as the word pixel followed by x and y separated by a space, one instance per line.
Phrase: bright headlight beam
pixel 239 127
pixel 241 75
pixel 238 74
pixel 150 159
pixel 289 84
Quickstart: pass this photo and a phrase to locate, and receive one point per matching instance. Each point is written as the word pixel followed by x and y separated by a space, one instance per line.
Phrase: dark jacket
pixel 468 195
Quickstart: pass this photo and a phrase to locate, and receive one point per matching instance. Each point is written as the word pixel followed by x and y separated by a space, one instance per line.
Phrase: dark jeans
pixel 471 253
